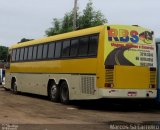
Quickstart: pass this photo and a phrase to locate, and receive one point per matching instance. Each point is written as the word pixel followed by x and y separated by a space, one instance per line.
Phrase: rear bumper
pixel 127 93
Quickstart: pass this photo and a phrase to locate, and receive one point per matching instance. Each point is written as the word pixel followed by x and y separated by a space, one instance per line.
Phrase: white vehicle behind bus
pixel 2 76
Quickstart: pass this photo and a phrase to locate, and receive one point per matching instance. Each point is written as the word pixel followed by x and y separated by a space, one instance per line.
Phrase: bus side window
pixel 83 46
pixel 51 50
pixel 30 52
pixel 17 54
pixel 22 54
pixel 25 53
pixel 34 52
pixel 39 53
pixel 74 47
pixel 58 49
pixel 14 55
pixel 45 50
pixel 93 45
pixel 66 48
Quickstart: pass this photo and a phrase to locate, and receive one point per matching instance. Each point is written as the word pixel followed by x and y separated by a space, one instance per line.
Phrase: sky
pixel 31 18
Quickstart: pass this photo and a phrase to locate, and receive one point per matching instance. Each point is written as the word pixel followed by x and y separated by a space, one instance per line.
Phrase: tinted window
pixel 45 50
pixel 34 52
pixel 93 45
pixel 22 54
pixel 74 47
pixel 51 50
pixel 66 48
pixel 40 49
pixel 17 54
pixel 58 49
pixel 25 53
pixel 30 51
pixel 14 55
pixel 83 46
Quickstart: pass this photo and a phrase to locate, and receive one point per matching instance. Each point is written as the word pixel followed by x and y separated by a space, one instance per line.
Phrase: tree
pixel 67 22
pixel 56 29
pixel 3 53
pixel 89 18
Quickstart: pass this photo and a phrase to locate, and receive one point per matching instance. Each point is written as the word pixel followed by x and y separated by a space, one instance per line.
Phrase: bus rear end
pixel 130 63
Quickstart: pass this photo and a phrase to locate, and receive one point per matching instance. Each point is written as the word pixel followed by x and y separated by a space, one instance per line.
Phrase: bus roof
pixel 82 32
pixel 92 30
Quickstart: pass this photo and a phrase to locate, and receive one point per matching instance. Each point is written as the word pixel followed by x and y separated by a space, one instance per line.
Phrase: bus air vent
pixel 88 84
pixel 109 76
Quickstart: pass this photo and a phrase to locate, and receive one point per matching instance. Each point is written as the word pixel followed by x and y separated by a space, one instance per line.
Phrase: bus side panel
pixel 80 86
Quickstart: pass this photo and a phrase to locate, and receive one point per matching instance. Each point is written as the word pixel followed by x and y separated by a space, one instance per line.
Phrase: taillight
pixel 152 86
pixel 108 85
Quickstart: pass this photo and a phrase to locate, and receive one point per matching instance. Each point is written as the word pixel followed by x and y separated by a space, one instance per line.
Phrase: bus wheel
pixel 64 93
pixel 53 92
pixel 14 87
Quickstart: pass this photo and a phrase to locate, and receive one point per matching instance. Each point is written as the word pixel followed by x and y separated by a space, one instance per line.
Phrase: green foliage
pixel 56 29
pixel 67 22
pixel 89 18
pixel 3 53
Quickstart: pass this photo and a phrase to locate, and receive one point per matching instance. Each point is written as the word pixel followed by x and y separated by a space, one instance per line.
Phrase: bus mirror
pixel 7 65
pixel 108 28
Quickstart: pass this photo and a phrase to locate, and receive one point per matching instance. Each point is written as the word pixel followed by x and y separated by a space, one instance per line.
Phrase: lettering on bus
pixel 123 35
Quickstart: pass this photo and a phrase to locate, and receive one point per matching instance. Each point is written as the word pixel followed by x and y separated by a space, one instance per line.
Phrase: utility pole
pixel 75 15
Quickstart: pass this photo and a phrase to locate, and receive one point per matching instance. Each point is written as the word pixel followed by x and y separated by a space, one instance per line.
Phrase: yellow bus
pixel 108 61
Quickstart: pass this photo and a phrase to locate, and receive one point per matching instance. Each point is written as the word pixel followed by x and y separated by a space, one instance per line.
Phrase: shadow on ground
pixel 117 105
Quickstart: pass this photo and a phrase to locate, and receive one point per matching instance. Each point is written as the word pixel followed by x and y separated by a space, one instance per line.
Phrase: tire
pixel 53 92
pixel 14 87
pixel 64 93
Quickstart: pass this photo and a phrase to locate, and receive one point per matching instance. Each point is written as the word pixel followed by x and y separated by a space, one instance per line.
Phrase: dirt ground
pixel 37 112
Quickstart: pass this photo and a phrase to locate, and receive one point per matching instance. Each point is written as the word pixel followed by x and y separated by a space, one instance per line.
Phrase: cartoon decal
pixel 146 37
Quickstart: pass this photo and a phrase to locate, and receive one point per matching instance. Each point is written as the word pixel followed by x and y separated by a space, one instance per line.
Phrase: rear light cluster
pixel 108 85
pixel 152 86
pixel 152 78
